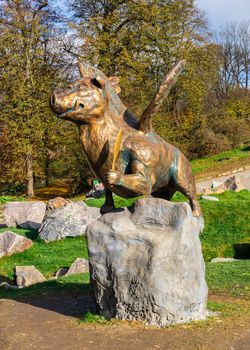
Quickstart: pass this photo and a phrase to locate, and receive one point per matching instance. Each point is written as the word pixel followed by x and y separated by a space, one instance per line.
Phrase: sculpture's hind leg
pixel 165 193
pixel 190 192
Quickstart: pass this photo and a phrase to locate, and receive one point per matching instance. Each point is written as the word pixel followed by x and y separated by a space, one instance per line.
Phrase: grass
pixel 77 284
pixel 221 162
pixel 47 258
pixel 119 202
pixel 227 229
pixel 227 224
pixel 230 278
pixel 6 199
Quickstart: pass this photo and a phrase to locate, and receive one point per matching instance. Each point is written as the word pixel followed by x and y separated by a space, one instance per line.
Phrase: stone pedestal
pixel 146 263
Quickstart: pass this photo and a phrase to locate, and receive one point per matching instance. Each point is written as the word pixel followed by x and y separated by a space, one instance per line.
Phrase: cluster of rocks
pixel 232 183
pixel 61 218
pixel 71 220
pixel 26 276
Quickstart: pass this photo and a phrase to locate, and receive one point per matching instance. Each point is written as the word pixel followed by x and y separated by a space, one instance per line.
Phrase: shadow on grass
pixel 245 149
pixel 69 296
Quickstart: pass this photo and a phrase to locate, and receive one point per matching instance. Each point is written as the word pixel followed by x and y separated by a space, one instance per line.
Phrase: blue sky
pixel 220 12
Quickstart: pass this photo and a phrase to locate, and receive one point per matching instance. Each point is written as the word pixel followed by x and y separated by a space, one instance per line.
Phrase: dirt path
pixel 52 322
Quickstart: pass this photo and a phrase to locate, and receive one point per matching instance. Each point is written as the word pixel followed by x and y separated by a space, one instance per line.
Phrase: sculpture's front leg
pixel 135 184
pixel 109 205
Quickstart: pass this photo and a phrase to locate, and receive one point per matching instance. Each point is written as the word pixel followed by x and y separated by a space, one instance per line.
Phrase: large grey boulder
pixel 68 221
pixel 11 243
pixel 27 276
pixel 146 263
pixel 24 214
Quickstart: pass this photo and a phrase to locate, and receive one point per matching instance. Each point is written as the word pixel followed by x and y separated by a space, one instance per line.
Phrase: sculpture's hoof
pixel 106 209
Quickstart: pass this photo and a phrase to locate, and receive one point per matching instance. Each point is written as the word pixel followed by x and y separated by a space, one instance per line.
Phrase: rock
pixel 233 183
pixel 5 285
pixel 146 263
pixel 24 214
pixel 207 192
pixel 216 184
pixel 80 265
pixel 11 243
pixel 210 198
pixel 216 260
pixel 61 272
pixel 57 203
pixel 27 276
pixel 219 190
pixel 68 221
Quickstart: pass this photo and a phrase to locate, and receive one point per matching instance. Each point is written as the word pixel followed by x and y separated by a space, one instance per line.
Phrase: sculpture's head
pixel 84 100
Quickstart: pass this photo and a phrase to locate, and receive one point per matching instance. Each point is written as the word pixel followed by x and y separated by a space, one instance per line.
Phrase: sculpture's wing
pixel 145 123
pixel 86 70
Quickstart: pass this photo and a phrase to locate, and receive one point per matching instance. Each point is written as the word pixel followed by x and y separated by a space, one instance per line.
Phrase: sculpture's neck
pixel 98 140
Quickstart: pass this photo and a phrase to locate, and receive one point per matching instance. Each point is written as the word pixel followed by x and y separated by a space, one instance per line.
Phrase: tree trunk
pixel 29 176
pixel 46 170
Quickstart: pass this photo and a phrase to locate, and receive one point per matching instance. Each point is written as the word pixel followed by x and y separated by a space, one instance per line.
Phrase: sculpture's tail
pixel 145 123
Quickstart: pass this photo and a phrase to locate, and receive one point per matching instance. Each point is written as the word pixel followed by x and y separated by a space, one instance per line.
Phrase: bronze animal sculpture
pixel 146 165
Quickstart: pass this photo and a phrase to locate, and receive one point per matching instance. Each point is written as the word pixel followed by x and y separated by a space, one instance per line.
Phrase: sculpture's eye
pixel 96 83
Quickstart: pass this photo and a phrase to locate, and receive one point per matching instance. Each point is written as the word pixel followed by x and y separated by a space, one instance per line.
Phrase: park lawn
pixel 226 234
pixel 46 257
pixel 221 163
pixel 227 224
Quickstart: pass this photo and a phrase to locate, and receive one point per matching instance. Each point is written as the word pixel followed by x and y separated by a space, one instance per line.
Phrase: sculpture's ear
pixel 114 82
pixel 98 82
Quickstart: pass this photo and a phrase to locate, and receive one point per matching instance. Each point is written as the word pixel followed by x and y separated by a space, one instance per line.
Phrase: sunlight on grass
pixel 220 160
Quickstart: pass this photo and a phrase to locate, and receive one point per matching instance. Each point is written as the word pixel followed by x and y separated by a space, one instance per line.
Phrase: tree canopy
pixel 139 41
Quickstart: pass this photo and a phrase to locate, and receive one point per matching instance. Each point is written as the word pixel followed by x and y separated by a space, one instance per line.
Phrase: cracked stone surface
pixel 24 214
pixel 11 243
pixel 68 221
pixel 146 263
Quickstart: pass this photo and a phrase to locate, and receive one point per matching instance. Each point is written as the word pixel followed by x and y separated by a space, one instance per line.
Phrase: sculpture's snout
pixel 55 104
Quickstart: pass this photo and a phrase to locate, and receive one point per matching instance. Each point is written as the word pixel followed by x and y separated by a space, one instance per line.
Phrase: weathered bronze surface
pixel 146 165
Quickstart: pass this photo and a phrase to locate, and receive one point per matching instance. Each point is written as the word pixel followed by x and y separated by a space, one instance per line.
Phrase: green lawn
pixel 227 227
pixel 231 278
pixel 48 258
pixel 223 161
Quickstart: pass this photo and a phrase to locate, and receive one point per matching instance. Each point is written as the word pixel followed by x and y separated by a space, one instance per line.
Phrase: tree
pixel 31 62
pixel 234 40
